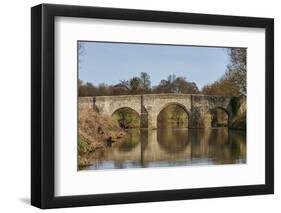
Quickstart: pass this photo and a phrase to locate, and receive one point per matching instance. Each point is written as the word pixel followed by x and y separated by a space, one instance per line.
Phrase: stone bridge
pixel 148 106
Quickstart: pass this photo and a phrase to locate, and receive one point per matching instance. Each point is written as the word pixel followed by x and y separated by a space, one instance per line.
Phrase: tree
pixel 234 81
pixel 103 89
pixel 125 83
pixel 135 85
pixel 166 86
pixel 139 85
pixel 81 52
pixel 81 89
pixel 181 85
pixel 237 69
pixel 145 81
pixel 171 78
pixel 80 82
pixel 175 84
pixel 221 87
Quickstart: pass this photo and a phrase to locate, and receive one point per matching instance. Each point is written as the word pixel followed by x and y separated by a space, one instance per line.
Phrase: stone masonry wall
pixel 149 106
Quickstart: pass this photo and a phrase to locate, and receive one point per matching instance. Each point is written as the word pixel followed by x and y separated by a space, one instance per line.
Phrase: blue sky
pixel 111 62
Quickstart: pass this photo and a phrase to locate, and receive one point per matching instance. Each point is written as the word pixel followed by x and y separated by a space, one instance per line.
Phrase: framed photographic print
pixel 139 106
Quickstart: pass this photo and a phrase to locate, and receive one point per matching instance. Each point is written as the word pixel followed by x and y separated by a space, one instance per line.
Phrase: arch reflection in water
pixel 170 146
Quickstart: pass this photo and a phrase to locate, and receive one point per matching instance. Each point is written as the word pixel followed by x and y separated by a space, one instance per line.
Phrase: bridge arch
pixel 125 108
pixel 174 103
pixel 220 117
pixel 179 114
pixel 127 117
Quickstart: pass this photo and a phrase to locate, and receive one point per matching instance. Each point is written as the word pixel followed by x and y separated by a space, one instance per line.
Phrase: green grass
pixel 82 145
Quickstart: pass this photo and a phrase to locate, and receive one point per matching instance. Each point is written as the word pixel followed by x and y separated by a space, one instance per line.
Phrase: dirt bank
pixel 96 132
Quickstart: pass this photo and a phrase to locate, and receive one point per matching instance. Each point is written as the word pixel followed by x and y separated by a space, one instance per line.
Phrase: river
pixel 171 146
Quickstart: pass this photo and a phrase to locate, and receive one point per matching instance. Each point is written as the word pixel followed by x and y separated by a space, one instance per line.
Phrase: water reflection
pixel 171 146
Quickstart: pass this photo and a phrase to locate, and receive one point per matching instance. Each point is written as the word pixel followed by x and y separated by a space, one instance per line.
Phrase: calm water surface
pixel 171 146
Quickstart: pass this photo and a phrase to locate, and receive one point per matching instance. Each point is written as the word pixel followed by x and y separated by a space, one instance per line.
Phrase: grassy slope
pixel 94 130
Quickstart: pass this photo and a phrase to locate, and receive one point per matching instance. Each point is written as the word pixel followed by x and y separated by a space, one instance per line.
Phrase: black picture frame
pixel 43 102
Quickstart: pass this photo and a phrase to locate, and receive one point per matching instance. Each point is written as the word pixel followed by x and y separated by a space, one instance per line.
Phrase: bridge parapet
pixel 109 104
pixel 86 102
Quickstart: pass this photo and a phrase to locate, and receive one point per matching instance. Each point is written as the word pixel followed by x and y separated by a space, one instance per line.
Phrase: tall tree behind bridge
pixel 234 81
pixel 135 85
pixel 145 81
pixel 237 69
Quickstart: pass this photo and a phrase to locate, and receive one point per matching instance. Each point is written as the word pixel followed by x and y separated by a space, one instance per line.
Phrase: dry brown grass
pixel 94 130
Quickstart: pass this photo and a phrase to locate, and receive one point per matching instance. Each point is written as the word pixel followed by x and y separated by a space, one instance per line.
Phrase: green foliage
pixel 135 85
pixel 127 118
pixel 235 105
pixel 173 114
pixel 240 122
pixel 82 145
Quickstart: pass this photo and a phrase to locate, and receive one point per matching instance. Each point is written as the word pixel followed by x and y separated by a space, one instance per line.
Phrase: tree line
pixel 232 83
pixel 139 85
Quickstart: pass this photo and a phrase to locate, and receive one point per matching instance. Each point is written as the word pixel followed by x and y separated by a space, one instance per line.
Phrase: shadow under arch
pixel 127 117
pixel 180 115
pixel 220 117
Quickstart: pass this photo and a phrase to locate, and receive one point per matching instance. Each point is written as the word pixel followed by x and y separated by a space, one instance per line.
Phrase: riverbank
pixel 240 120
pixel 95 133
